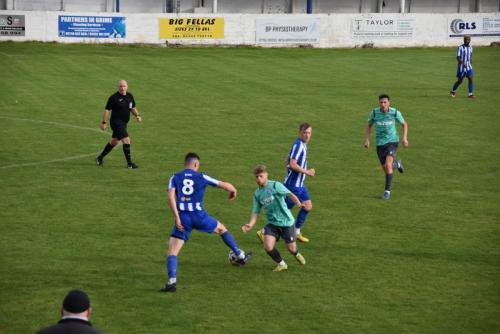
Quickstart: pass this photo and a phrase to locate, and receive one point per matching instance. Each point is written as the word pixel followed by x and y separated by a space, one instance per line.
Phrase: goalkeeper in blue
pixel 185 198
pixel 271 195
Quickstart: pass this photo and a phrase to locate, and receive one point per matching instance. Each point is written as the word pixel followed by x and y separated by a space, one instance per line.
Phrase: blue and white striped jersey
pixel 464 53
pixel 189 188
pixel 298 152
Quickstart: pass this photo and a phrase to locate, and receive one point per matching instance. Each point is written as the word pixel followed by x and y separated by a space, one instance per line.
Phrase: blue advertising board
pixel 92 26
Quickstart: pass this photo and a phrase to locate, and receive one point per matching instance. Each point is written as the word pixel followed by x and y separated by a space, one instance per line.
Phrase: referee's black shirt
pixel 120 106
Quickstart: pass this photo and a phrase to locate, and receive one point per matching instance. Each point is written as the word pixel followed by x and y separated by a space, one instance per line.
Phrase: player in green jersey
pixel 270 195
pixel 387 138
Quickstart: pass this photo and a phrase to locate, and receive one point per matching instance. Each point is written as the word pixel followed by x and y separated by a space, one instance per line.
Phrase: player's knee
pixel 292 247
pixel 307 206
pixel 220 229
pixel 268 247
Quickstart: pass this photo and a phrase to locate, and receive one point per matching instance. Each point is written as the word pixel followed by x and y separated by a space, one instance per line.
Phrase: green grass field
pixel 427 261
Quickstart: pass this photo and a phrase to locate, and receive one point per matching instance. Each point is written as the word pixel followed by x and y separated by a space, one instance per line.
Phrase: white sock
pixel 282 263
pixel 172 280
pixel 297 231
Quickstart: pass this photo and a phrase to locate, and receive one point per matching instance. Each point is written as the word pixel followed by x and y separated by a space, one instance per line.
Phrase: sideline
pixel 54 160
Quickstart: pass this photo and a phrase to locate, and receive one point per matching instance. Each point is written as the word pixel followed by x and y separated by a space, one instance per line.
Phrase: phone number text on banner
pixel 199 28
pixel 92 26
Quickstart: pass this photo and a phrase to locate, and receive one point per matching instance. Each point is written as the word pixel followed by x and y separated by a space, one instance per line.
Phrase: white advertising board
pixel 386 26
pixel 487 25
pixel 276 30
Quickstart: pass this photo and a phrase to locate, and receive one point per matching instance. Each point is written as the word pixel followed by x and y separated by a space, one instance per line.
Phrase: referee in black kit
pixel 120 104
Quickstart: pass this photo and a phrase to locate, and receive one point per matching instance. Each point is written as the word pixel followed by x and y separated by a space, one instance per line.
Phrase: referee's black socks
pixel 106 150
pixel 126 151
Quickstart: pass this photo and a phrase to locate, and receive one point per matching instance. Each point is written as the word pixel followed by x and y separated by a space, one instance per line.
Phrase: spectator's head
pixel 76 303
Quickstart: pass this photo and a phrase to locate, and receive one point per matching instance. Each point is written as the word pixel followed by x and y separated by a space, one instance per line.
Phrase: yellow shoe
pixel 300 258
pixel 260 235
pixel 281 267
pixel 301 238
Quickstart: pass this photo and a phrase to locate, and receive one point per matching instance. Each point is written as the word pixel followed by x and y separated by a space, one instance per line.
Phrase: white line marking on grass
pixel 52 123
pixel 54 160
pixel 49 161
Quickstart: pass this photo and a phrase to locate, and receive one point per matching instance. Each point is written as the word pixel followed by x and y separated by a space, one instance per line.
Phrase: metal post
pixel 379 6
pixel 117 6
pixel 402 7
pixel 215 6
pixel 309 6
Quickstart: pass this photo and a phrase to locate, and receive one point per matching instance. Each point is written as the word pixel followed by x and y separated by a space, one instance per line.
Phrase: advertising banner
pixel 92 26
pixel 386 26
pixel 12 25
pixel 287 30
pixel 194 27
pixel 476 26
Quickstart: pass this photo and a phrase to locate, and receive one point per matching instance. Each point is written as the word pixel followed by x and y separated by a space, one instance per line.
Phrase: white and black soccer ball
pixel 233 258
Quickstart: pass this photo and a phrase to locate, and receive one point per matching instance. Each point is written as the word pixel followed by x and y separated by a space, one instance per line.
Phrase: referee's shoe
pixel 131 165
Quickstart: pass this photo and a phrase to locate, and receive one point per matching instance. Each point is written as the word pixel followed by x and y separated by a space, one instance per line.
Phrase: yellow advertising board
pixel 192 27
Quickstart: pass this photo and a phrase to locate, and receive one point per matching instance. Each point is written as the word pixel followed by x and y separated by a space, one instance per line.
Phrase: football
pixel 233 258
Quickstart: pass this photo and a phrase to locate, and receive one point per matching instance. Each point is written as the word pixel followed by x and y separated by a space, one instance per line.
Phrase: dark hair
pixel 190 157
pixel 259 169
pixel 304 126
pixel 384 96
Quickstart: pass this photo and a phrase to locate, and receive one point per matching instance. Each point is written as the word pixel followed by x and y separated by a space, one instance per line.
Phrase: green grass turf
pixel 427 261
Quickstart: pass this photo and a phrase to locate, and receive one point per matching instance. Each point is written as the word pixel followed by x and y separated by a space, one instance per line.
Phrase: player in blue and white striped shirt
pixel 464 67
pixel 294 180
pixel 185 198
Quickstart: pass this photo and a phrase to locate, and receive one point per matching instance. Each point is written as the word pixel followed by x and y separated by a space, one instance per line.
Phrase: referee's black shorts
pixel 119 129
pixel 387 149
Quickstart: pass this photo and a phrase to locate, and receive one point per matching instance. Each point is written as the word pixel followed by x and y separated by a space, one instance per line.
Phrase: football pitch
pixel 426 261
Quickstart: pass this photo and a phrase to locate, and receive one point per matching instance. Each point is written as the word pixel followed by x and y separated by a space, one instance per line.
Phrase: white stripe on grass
pixel 36 163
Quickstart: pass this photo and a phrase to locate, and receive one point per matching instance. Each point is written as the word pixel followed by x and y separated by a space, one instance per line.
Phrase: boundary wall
pixel 290 30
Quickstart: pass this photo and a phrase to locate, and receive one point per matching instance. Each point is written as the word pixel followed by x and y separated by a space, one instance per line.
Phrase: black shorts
pixel 285 232
pixel 387 149
pixel 119 129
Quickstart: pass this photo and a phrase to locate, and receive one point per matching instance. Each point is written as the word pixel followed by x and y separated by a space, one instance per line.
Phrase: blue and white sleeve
pixel 211 181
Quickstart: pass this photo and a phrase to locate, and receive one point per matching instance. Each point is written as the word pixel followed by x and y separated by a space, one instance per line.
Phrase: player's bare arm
pixel 295 166
pixel 405 134
pixel 172 203
pixel 294 199
pixel 248 226
pixel 368 131
pixel 229 188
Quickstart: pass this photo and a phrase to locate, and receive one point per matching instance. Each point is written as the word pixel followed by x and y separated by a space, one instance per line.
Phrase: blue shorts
pixel 462 74
pixel 199 220
pixel 300 192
